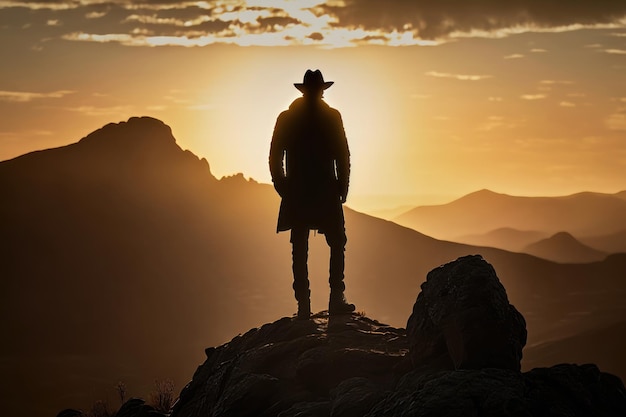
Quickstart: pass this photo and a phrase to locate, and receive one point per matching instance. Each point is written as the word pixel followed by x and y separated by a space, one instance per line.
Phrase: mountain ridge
pixel 581 214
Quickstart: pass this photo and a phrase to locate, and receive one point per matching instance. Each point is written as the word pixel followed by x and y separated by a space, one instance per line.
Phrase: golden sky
pixel 439 98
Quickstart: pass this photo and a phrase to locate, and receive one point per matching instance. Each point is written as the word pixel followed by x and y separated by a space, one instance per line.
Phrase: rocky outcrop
pixel 292 366
pixel 462 319
pixel 465 342
pixel 560 391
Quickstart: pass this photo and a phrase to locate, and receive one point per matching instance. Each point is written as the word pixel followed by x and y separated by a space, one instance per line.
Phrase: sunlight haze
pixel 435 106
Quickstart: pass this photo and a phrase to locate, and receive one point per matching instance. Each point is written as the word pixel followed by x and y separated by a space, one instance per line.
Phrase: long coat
pixel 310 165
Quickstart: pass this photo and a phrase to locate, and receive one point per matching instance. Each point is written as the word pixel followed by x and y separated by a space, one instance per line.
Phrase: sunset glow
pixel 437 101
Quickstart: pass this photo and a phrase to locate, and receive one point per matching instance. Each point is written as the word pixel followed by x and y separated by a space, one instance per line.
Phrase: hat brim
pixel 309 87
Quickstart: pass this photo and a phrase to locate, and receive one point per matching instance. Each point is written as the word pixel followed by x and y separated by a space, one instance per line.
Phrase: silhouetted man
pixel 310 166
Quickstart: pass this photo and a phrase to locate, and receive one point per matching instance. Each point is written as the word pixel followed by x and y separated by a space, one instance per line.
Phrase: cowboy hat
pixel 313 80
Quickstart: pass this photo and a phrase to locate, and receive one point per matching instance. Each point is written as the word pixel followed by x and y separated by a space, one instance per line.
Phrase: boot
pixel 304 310
pixel 338 304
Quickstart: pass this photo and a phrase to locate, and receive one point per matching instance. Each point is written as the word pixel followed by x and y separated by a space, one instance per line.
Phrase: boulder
pixel 462 319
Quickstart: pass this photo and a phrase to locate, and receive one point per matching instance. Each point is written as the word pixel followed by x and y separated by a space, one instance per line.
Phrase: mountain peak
pixel 562 237
pixel 563 247
pixel 137 130
pixel 484 193
pixel 141 149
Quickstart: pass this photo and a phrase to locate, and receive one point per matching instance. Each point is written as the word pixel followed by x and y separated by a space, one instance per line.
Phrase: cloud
pixel 533 96
pixel 513 56
pixel 616 51
pixel 436 19
pixel 327 23
pixel 23 96
pixel 496 122
pixel 462 77
pixel 567 104
pixel 553 82
pixel 95 15
pixel 34 5
pixel 616 121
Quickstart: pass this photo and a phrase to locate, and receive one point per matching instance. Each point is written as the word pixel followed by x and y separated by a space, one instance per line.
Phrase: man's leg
pixel 299 253
pixel 336 239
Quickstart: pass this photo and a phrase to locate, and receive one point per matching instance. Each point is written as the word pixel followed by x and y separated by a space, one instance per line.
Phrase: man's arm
pixel 343 160
pixel 277 154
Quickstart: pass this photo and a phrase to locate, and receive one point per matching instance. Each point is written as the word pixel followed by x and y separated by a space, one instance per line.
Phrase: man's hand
pixel 343 193
pixel 280 185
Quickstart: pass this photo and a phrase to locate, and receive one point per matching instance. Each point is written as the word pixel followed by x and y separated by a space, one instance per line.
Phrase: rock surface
pixel 465 340
pixel 559 391
pixel 292 367
pixel 462 319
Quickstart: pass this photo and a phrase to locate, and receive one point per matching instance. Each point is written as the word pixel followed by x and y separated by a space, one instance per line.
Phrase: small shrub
pixel 120 387
pixel 162 397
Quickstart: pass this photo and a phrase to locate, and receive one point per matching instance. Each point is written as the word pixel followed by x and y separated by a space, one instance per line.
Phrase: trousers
pixel 336 240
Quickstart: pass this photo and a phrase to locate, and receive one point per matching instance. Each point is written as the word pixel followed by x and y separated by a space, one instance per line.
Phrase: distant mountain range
pixel 513 223
pixel 504 238
pixel 124 258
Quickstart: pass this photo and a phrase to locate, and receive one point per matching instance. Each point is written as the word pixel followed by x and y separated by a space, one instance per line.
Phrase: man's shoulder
pixel 299 107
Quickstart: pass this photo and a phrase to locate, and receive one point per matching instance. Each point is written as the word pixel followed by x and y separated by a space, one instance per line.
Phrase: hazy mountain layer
pixel 583 214
pixel 504 238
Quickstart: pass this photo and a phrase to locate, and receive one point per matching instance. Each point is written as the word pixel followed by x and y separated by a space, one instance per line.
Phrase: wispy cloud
pixel 567 104
pixel 533 96
pixel 553 82
pixel 513 56
pixel 326 23
pixel 24 96
pixel 95 15
pixel 616 121
pixel 462 77
pixel 432 19
pixel 35 5
pixel 616 51
pixel 496 122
